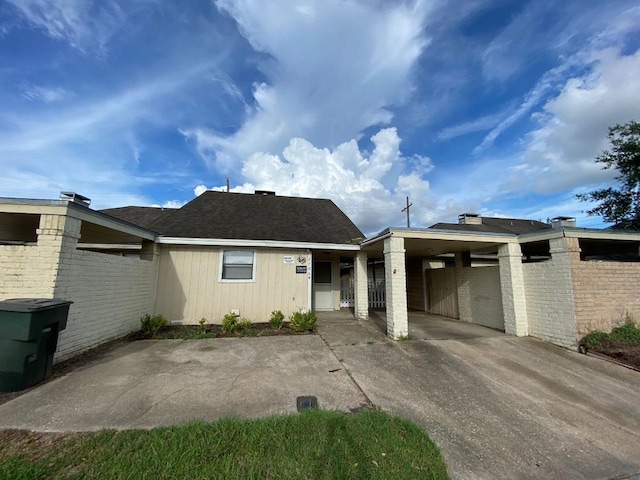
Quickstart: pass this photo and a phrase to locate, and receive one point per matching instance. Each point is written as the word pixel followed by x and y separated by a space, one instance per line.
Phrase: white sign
pixel 287 259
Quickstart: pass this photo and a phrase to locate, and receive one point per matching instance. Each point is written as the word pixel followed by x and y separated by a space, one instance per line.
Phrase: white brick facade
pixel 396 285
pixel 361 287
pixel 512 286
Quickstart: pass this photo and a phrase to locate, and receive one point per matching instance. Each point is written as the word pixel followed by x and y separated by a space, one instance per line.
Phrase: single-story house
pixel 255 253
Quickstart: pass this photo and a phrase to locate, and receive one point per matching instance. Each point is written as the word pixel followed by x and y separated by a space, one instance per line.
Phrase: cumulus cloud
pixel 354 179
pixel 572 130
pixel 363 56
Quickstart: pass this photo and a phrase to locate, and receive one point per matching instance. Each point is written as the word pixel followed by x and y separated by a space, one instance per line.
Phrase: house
pixel 255 253
pixel 247 253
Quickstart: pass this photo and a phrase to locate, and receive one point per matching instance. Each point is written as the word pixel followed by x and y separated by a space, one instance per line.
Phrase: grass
pixel 315 444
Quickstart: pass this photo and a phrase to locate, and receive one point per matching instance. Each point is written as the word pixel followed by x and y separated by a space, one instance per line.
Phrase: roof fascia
pixel 588 233
pixel 227 242
pixel 457 235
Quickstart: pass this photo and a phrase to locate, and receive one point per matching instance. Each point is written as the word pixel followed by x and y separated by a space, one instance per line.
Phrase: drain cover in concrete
pixel 303 403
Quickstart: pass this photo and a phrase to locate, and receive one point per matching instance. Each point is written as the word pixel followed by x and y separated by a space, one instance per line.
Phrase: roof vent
pixel 558 222
pixel 469 219
pixel 265 192
pixel 75 198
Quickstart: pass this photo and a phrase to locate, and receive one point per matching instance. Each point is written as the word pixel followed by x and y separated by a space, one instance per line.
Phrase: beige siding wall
pixel 481 296
pixel 442 294
pixel 604 293
pixel 415 285
pixel 109 293
pixel 189 287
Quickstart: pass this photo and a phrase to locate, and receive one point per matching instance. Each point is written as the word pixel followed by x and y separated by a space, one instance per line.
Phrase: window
pixel 237 265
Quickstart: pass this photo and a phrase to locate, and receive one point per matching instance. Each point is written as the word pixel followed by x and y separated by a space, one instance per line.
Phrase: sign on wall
pixel 288 259
pixel 301 269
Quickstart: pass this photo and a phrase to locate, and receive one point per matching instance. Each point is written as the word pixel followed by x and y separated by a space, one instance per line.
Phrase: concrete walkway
pixel 497 406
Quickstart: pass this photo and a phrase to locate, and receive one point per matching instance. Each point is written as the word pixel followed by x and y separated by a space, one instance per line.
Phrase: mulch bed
pixel 621 352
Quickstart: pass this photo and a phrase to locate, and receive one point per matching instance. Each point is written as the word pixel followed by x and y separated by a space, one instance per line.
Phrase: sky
pixel 496 107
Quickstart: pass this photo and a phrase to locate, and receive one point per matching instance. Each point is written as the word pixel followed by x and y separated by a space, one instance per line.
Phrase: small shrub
pixel 244 324
pixel 277 319
pixel 202 326
pixel 152 324
pixel 627 333
pixel 301 322
pixel 230 323
pixel 594 338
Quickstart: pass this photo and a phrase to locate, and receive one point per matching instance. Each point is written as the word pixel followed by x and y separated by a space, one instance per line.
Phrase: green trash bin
pixel 29 330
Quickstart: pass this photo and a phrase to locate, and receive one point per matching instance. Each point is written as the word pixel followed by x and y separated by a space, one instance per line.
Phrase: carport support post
pixel 396 288
pixel 361 286
pixel 514 304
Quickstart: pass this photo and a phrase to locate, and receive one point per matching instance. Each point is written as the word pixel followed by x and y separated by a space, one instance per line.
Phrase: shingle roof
pixel 247 217
pixel 514 226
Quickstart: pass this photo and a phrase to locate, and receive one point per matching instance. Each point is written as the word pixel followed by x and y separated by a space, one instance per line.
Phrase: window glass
pixel 237 265
pixel 322 272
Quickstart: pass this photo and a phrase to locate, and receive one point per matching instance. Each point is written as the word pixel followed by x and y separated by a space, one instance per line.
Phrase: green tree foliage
pixel 620 204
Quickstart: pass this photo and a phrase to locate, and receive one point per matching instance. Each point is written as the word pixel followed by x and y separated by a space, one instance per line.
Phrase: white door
pixel 322 286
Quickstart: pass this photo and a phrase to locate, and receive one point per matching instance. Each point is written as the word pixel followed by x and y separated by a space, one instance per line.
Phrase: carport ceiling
pixel 421 247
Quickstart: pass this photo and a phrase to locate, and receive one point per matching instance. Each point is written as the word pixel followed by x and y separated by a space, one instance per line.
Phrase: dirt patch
pixel 30 445
pixel 621 352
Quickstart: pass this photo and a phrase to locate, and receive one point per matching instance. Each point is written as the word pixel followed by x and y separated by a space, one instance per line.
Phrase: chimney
pixel 265 192
pixel 559 222
pixel 469 219
pixel 75 198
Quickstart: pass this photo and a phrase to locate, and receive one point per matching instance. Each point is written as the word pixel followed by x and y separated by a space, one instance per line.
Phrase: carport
pixel 475 277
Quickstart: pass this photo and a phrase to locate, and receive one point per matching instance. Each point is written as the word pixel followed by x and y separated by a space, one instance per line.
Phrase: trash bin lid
pixel 31 304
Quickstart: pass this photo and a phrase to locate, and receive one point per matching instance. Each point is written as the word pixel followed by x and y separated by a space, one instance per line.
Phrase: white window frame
pixel 237 280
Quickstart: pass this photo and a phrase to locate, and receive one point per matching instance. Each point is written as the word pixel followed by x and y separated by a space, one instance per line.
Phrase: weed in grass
pixel 371 343
pixel 277 319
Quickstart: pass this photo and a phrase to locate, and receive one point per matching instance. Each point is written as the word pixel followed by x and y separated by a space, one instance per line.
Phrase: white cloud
pixel 86 25
pixel 46 94
pixel 362 61
pixel 354 180
pixel 560 153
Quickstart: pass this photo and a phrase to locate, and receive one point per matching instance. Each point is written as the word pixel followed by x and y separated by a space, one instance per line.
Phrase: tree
pixel 620 204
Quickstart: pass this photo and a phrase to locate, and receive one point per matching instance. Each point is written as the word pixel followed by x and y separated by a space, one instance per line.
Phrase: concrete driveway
pixel 497 406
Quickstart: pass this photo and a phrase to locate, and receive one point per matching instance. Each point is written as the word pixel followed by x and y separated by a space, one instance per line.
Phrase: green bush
pixel 301 322
pixel 230 323
pixel 277 319
pixel 152 324
pixel 627 333
pixel 594 338
pixel 244 324
pixel 202 326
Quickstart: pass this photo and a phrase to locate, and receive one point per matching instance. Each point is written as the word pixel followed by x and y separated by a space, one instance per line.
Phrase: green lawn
pixel 315 444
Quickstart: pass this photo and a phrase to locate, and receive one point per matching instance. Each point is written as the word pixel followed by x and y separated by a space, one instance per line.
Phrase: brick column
pixel 396 287
pixel 462 262
pixel 57 239
pixel 361 286
pixel 514 304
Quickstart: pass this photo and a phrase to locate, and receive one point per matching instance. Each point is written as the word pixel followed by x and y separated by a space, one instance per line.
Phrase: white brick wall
pixel 550 308
pixel 361 287
pixel 110 294
pixel 396 286
pixel 512 286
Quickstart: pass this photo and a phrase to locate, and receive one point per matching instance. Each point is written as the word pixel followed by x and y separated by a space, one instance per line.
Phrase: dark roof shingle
pixel 514 226
pixel 247 217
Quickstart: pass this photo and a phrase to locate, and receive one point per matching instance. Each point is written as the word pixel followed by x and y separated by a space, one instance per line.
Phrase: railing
pixel 377 293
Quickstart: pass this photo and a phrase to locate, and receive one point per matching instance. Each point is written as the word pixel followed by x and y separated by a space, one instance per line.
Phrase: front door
pixel 322 286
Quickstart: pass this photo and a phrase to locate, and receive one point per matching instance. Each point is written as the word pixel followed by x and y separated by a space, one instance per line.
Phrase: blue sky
pixel 496 107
